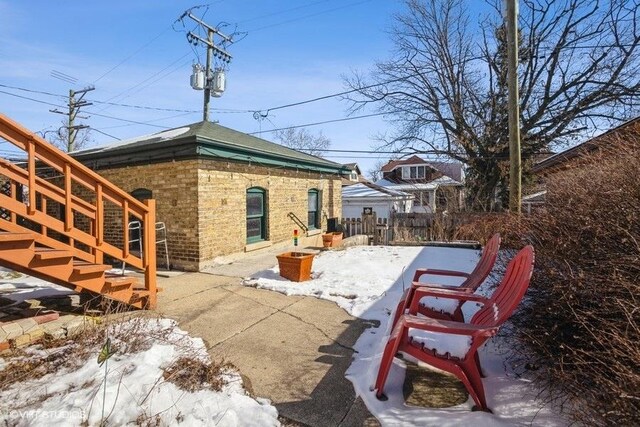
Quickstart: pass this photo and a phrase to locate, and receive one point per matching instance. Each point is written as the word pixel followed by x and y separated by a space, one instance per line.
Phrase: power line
pixel 127 120
pixel 344 119
pixel 32 99
pixel 104 133
pixel 132 55
pixel 72 113
pixel 304 6
pixel 88 112
pixel 308 16
pixel 150 121
pixel 167 74
pixel 33 91
pixel 146 80
pixel 358 151
pixel 346 92
pixel 165 127
pixel 144 107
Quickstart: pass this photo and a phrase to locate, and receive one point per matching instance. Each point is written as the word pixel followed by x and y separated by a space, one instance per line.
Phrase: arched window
pixel 256 215
pixel 142 194
pixel 314 209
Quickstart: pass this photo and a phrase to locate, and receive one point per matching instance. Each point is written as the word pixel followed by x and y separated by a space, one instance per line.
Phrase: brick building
pixel 220 191
pixel 606 144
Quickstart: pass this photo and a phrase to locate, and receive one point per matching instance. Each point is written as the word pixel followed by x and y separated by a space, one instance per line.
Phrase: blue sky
pixel 293 51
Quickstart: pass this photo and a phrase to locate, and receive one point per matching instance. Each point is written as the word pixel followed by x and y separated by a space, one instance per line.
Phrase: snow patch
pixel 135 390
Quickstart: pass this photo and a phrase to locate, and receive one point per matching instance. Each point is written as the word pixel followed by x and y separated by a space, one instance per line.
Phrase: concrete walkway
pixel 292 350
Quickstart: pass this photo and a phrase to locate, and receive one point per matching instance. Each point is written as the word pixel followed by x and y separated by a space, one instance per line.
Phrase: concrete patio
pixel 292 350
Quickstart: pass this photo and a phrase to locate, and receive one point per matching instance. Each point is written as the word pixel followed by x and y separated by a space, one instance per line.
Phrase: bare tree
pixel 303 140
pixel 445 87
pixel 60 138
pixel 375 172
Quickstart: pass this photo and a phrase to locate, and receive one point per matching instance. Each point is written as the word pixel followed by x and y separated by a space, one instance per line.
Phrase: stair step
pixel 139 294
pixel 117 281
pixel 6 236
pixel 81 267
pixel 46 253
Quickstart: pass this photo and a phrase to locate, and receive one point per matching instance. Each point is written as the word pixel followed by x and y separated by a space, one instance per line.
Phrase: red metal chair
pixel 484 324
pixel 472 281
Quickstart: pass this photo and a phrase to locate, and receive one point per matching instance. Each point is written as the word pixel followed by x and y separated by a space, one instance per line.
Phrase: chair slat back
pixel 485 265
pixel 510 291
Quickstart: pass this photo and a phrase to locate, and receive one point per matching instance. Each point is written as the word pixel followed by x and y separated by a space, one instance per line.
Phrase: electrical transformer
pixel 218 83
pixel 197 78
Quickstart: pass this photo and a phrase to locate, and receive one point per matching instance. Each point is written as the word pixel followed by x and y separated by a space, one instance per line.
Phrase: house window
pixel 421 199
pixel 256 215
pixel 442 200
pixel 413 172
pixel 314 209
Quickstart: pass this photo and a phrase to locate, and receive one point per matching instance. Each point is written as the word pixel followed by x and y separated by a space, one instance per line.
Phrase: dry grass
pixel 191 374
pixel 50 356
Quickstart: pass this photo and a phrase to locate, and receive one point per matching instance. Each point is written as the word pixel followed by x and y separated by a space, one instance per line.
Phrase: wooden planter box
pixel 331 240
pixel 295 266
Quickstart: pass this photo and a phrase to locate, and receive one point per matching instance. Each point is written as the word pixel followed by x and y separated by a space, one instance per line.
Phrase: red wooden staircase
pixel 67 245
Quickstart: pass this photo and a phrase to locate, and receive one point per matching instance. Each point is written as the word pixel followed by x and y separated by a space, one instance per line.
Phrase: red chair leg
pixel 476 358
pixel 473 382
pixel 388 355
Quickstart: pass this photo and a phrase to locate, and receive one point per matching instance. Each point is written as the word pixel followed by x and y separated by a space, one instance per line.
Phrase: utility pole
pixel 515 168
pixel 212 51
pixel 72 114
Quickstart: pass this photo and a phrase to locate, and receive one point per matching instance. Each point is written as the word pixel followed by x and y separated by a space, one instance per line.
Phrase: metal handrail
pixel 298 221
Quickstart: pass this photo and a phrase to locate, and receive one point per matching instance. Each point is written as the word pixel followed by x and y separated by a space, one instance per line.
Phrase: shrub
pixel 580 322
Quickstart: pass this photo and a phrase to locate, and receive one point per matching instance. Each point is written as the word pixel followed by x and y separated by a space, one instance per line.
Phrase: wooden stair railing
pixel 85 245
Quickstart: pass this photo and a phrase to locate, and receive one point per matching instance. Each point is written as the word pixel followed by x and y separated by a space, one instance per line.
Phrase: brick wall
pixel 175 188
pixel 203 204
pixel 222 203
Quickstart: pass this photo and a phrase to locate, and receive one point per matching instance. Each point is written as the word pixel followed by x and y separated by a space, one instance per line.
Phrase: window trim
pixel 263 218
pixel 316 224
pixel 416 170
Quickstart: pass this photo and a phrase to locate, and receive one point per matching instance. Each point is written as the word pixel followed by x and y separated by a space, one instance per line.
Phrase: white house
pixel 363 196
pixel 435 186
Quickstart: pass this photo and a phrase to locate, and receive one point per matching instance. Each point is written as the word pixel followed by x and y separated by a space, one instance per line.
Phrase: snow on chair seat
pixel 484 324
pixel 472 281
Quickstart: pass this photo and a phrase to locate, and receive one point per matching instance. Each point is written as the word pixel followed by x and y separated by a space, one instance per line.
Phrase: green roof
pixel 203 140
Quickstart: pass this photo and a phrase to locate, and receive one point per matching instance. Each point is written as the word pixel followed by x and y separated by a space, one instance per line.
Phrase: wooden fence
pixel 405 227
pixel 376 228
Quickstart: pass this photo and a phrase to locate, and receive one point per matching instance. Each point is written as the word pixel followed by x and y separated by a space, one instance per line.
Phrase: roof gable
pixel 451 169
pixel 413 160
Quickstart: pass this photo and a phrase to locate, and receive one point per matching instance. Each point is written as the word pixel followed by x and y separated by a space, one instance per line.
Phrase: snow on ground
pixel 367 282
pixel 135 385
pixel 19 287
pixel 357 277
pixel 135 389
